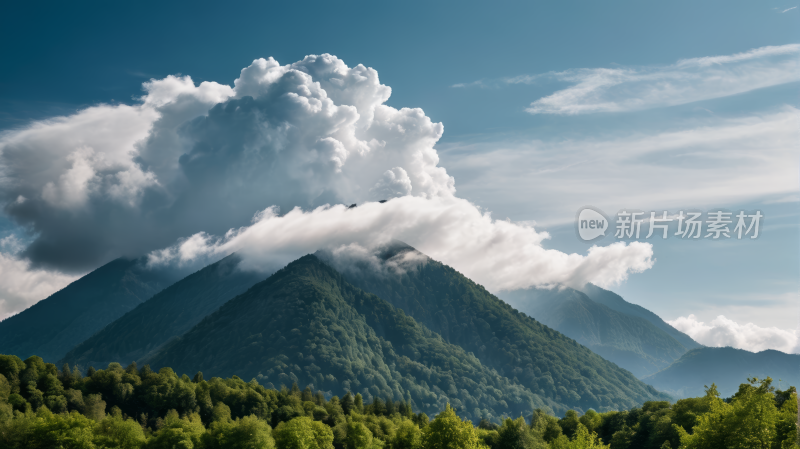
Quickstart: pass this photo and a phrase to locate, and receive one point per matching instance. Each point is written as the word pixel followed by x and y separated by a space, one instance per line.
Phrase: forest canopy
pixel 42 406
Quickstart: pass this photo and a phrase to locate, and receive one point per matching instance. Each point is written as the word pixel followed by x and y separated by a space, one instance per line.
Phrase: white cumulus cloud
pixel 499 254
pixel 190 162
pixel 725 332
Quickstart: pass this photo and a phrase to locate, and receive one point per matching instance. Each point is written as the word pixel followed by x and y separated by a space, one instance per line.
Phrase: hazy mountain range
pixel 631 341
pixel 53 326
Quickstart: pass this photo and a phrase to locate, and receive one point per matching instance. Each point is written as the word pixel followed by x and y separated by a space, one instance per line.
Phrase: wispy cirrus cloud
pixel 622 89
pixel 716 161
pixel 788 9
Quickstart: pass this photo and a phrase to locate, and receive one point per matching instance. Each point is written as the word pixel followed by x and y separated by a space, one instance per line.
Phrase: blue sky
pixel 657 127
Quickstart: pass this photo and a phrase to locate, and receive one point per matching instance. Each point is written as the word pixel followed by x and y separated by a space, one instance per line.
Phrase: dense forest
pixel 44 407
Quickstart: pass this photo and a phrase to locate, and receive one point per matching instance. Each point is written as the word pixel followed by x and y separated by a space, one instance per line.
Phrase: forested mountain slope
pixel 629 341
pixel 306 324
pixel 726 367
pixel 168 314
pixel 55 325
pixel 517 346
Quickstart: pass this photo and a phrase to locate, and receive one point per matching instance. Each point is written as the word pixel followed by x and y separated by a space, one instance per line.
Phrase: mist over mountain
pixel 168 314
pixel 725 367
pixel 56 324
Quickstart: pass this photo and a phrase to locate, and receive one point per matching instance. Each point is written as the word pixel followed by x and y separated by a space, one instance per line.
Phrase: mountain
pixel 517 346
pixel 631 342
pixel 306 324
pixel 54 325
pixel 168 314
pixel 726 367
pixel 615 302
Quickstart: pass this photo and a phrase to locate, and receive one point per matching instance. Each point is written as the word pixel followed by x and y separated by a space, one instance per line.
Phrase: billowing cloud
pixel 622 89
pixel 499 254
pixel 196 161
pixel 121 180
pixel 724 332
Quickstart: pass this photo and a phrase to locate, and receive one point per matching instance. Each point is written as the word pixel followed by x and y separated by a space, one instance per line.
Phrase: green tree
pixel 515 434
pixel 569 423
pixel 748 421
pixel 244 433
pixel 407 436
pixel 303 433
pixel 115 432
pixel 358 436
pixel 583 440
pixel 448 431
pixel 544 425
pixel 591 420
pixel 178 433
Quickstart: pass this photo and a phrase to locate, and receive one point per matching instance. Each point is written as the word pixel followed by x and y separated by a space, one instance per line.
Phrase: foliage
pixel 163 410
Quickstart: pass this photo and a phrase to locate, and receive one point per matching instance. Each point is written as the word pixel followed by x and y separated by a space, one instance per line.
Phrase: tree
pixel 358 436
pixel 177 432
pixel 408 436
pixel 244 433
pixel 448 431
pixel 94 407
pixel 515 434
pixel 591 420
pixel 749 421
pixel 347 403
pixel 569 423
pixel 583 440
pixel 303 433
pixel 545 425
pixel 115 432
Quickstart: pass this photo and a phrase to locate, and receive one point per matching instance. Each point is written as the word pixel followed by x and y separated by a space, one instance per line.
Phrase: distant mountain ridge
pixel 168 314
pixel 631 342
pixel 56 324
pixel 727 368
pixel 616 302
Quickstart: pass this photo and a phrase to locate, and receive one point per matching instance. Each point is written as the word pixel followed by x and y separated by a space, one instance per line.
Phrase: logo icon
pixel 591 223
